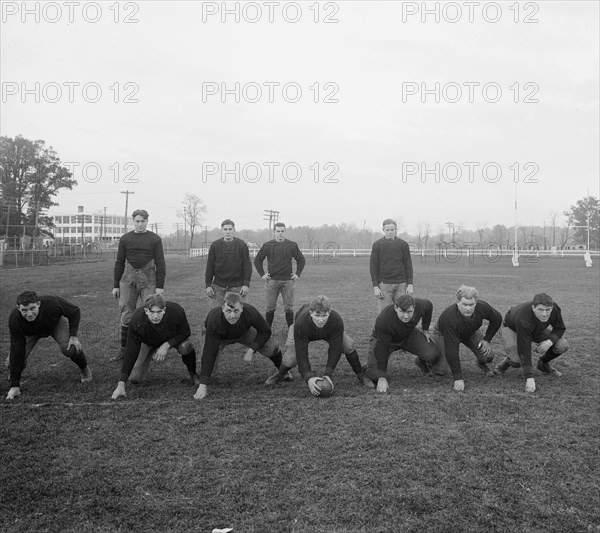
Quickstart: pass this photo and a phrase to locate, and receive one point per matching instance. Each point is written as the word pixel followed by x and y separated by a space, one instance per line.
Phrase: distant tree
pixel 584 210
pixel 31 175
pixel 192 213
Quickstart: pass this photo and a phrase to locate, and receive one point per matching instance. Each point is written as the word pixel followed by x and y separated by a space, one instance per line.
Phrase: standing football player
pixel 279 277
pixel 391 266
pixel 228 268
pixel 140 271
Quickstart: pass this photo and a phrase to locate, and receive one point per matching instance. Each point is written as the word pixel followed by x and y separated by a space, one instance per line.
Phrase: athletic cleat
pixel 365 381
pixel 118 357
pixel 545 368
pixel 487 371
pixel 274 379
pixel 423 366
pixel 502 367
pixel 86 374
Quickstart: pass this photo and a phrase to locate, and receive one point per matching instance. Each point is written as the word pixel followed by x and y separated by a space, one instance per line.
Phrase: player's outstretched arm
pixel 13 393
pixel 119 391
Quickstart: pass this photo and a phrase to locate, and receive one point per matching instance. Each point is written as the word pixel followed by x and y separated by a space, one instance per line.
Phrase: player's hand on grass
pixel 248 355
pixel 410 289
pixel 459 385
pixel 530 385
pixel 210 292
pixel 13 393
pixel 382 385
pixel 244 291
pixel 161 352
pixel 377 293
pixel 116 292
pixel 119 391
pixel 201 392
pixel 74 341
pixel 314 389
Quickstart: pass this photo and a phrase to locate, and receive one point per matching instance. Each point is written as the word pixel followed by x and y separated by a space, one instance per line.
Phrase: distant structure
pixel 97 227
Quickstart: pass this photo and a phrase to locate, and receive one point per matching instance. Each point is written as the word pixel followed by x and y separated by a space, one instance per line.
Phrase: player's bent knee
pixel 185 348
pixel 71 352
pixel 560 347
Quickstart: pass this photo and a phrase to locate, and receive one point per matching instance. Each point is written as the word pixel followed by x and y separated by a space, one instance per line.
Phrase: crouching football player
pixel 396 329
pixel 461 323
pixel 235 322
pixel 314 322
pixel 533 326
pixel 154 329
pixel 42 316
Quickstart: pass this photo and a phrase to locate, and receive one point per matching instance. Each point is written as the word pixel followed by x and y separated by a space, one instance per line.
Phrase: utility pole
pixel 126 193
pixel 185 228
pixel 272 216
pixel 104 226
pixel 451 230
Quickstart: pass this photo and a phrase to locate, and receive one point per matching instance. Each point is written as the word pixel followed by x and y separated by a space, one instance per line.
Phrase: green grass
pixel 421 458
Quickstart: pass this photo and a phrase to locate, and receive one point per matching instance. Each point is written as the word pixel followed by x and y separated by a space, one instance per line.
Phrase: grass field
pixel 421 458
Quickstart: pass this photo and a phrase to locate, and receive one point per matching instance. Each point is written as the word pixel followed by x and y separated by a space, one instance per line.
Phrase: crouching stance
pixel 314 322
pixel 234 322
pixel 537 327
pixel 153 329
pixel 461 323
pixel 396 329
pixel 42 316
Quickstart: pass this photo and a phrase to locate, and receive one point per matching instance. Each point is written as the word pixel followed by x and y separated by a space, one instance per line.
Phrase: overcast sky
pixel 517 93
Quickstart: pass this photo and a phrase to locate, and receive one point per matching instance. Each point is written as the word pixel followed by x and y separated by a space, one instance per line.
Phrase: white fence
pixel 447 251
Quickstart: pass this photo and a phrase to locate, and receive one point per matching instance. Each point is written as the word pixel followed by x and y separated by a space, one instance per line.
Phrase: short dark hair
pixel 389 221
pixel 279 225
pixel 320 304
pixel 404 301
pixel 157 300
pixel 542 299
pixel 140 213
pixel 232 298
pixel 27 297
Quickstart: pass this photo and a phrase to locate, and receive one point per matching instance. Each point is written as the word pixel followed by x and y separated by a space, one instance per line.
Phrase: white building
pixel 75 228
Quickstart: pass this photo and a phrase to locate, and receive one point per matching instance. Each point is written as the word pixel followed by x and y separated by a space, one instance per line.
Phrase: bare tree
pixel 193 211
pixel 310 235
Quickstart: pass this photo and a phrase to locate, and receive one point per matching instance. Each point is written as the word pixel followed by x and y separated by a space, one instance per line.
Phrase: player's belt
pixel 148 266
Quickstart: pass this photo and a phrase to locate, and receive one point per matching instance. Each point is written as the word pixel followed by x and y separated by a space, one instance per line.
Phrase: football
pixel 326 388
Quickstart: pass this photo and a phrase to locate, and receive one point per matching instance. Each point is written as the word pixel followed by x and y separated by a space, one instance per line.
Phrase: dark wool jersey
pixel 228 264
pixel 173 328
pixel 138 249
pixel 279 259
pixel 218 330
pixel 528 328
pixel 305 331
pixel 389 329
pixel 52 308
pixel 391 262
pixel 457 328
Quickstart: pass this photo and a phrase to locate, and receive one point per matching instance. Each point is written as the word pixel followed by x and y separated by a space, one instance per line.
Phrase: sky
pixel 327 112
